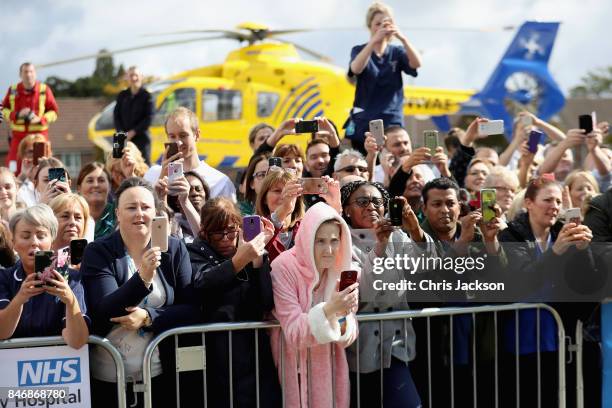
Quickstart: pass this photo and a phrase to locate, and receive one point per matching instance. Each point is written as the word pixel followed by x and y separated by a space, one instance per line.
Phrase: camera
pixel 29 117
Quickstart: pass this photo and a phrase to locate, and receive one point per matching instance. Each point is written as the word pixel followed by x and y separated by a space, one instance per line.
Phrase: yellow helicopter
pixel 264 81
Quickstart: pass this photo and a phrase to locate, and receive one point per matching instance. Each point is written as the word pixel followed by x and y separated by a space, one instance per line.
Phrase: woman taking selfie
pixel 135 291
pixel 317 319
pixel 233 278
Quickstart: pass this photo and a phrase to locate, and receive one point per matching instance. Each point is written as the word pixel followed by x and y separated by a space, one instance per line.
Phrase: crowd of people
pixel 128 290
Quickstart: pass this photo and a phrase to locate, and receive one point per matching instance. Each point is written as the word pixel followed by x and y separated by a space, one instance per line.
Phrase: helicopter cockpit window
pixel 266 102
pixel 185 97
pixel 106 120
pixel 221 104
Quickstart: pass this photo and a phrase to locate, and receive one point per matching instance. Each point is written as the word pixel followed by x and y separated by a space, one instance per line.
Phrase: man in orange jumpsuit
pixel 29 108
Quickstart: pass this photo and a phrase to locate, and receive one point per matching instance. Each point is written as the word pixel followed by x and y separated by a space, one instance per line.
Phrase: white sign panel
pixel 56 376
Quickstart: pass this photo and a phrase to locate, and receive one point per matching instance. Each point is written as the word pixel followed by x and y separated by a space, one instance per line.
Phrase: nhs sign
pixel 49 372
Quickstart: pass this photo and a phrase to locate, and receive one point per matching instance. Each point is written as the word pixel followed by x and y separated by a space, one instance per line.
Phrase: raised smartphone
pixel 307 126
pixel 57 173
pixel 77 247
pixel 585 122
pixel 175 171
pixel 171 149
pixel 535 137
pixel 159 233
pixel 492 127
pixel 488 197
pixel 573 215
pixel 119 139
pixel 430 140
pixel 39 150
pixel 251 227
pixel 396 207
pixel 377 130
pixel 314 185
pixel 347 278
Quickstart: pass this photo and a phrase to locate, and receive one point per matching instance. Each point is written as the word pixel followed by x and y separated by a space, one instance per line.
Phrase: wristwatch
pixel 148 322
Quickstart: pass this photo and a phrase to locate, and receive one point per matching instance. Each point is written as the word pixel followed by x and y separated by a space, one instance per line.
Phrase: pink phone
pixel 251 227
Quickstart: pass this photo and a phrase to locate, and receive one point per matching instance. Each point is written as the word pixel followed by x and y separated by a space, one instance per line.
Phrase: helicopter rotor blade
pixel 229 33
pixel 307 50
pixel 123 50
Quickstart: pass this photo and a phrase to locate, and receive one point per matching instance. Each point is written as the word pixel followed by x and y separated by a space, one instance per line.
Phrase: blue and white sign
pixel 56 376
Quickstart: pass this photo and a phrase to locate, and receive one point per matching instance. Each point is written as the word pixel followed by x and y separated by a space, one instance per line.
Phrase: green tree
pixel 595 84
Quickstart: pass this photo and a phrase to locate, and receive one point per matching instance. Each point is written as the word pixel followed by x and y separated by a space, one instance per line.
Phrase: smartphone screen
pixel 159 233
pixel 77 247
pixel 307 126
pixel 396 206
pixel 275 161
pixel 347 278
pixel 251 227
pixel 57 173
pixel 488 197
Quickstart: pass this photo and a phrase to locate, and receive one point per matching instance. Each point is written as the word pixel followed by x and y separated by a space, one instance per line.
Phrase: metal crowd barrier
pixel 193 358
pixel 59 341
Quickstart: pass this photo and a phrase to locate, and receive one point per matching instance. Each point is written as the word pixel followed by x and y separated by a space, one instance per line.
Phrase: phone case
pixel 586 123
pixel 313 186
pixel 534 140
pixel 396 207
pixel 488 198
pixel 40 150
pixel 159 233
pixel 175 171
pixel 347 278
pixel 118 144
pixel 492 127
pixel 573 215
pixel 275 161
pixel 172 149
pixel 430 139
pixel 251 227
pixel 77 247
pixel 377 130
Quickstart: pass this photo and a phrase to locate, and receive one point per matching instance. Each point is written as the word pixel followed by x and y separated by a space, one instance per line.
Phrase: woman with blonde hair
pixel 580 184
pixel 8 195
pixel 72 212
pixel 131 164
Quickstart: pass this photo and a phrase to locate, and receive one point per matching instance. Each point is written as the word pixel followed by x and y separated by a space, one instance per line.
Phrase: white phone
pixel 492 127
pixel 377 130
pixel 175 171
pixel 573 215
pixel 159 233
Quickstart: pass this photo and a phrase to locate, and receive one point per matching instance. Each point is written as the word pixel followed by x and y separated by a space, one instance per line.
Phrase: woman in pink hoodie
pixel 317 321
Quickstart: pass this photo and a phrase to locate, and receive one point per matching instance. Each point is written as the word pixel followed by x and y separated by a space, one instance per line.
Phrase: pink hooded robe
pixel 304 325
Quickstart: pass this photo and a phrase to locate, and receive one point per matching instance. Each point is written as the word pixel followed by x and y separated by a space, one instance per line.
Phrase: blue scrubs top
pixel 44 314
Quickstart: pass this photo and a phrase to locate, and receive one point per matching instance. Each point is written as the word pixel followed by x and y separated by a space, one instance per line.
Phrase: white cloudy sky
pixel 42 31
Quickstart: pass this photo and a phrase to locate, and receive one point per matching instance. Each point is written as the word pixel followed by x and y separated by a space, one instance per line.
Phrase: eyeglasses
pixel 260 175
pixel 220 235
pixel 363 202
pixel 351 169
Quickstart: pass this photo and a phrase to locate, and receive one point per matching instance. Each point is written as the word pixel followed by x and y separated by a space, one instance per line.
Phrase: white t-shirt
pixel 219 183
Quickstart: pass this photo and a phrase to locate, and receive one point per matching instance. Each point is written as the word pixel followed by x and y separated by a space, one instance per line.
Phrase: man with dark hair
pixel 319 159
pixel 134 113
pixel 29 107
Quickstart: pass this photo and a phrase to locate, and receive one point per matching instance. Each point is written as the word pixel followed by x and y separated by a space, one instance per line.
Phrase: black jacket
pixel 134 112
pixel 109 291
pixel 227 296
pixel 599 217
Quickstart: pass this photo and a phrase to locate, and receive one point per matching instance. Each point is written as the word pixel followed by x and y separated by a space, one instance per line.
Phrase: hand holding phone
pixel 347 278
pixel 159 233
pixel 175 171
pixel 171 149
pixel 396 209
pixel 488 198
pixel 119 139
pixel 573 215
pixel 42 265
pixel 535 137
pixel 314 185
pixel 585 122
pixel 251 227
pixel 377 130
pixel 430 140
